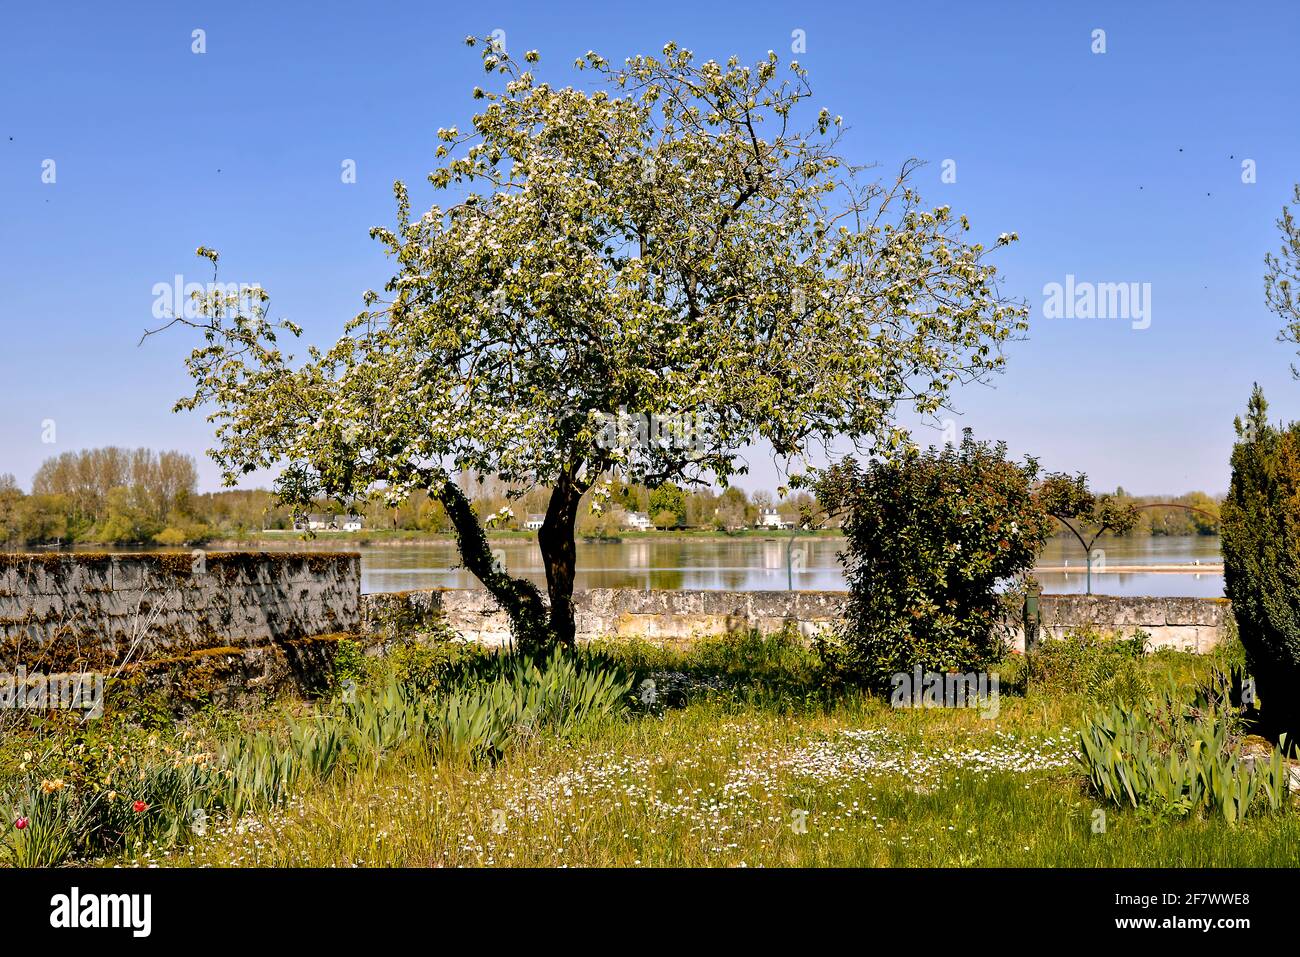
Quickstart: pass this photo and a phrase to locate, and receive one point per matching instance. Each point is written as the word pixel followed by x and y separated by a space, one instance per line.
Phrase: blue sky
pixel 1115 167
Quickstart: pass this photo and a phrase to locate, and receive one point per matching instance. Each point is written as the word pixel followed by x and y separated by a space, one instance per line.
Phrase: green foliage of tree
pixel 44 518
pixel 929 537
pixel 1202 512
pixel 668 506
pixel 1085 515
pixel 433 517
pixel 128 519
pixel 1194 513
pixel 125 496
pixel 603 525
pixel 11 498
pixel 631 496
pixel 685 244
pixel 1261 558
pixel 161 482
pixel 237 511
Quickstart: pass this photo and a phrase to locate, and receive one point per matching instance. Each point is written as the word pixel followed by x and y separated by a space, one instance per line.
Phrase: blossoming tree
pixel 677 245
pixel 1282 277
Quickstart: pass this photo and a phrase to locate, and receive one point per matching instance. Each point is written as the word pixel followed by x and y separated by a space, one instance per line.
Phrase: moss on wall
pixel 181 563
pixel 247 620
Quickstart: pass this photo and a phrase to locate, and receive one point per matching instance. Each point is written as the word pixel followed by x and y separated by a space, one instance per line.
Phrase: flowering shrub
pixel 930 535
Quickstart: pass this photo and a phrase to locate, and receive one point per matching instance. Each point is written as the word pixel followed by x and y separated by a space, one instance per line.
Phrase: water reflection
pixel 740 564
pixel 748 564
pixel 1133 584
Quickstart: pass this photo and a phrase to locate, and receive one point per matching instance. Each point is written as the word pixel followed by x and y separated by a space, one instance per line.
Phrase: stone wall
pixel 252 620
pixel 98 611
pixel 608 612
pixel 1188 624
pixel 1192 624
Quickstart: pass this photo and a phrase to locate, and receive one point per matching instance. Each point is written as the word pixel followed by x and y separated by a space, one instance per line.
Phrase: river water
pixel 803 562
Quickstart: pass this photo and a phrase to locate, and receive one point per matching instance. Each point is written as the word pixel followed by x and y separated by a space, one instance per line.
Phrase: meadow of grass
pixel 736 751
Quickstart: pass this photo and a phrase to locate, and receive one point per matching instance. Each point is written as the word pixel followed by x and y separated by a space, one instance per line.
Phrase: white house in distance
pixel 318 522
pixel 534 521
pixel 638 521
pixel 771 518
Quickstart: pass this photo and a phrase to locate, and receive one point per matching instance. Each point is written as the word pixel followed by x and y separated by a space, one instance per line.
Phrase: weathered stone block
pixel 1196 611
pixel 158 604
pixel 1181 637
pixel 675 615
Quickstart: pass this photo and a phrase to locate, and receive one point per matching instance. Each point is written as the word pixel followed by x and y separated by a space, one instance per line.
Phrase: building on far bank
pixel 320 522
pixel 771 518
pixel 534 521
pixel 638 521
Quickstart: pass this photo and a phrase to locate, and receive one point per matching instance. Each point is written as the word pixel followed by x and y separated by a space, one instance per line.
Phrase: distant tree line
pixel 1194 513
pixel 138 496
pixel 667 505
pixel 104 495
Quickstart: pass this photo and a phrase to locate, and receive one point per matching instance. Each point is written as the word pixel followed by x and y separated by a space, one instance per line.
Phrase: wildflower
pixel 49 787
pixel 21 823
pixel 139 807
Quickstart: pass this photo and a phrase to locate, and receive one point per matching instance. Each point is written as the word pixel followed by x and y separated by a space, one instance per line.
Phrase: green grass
pixel 745 756
pixel 717 785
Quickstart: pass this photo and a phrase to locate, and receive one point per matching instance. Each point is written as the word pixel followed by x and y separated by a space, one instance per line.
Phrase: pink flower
pixel 21 823
pixel 139 807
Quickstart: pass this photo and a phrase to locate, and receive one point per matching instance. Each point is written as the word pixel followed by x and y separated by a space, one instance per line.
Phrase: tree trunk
pixel 530 621
pixel 560 557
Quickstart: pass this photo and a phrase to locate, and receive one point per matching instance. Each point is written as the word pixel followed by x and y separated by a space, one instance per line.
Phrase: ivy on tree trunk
pixel 530 620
